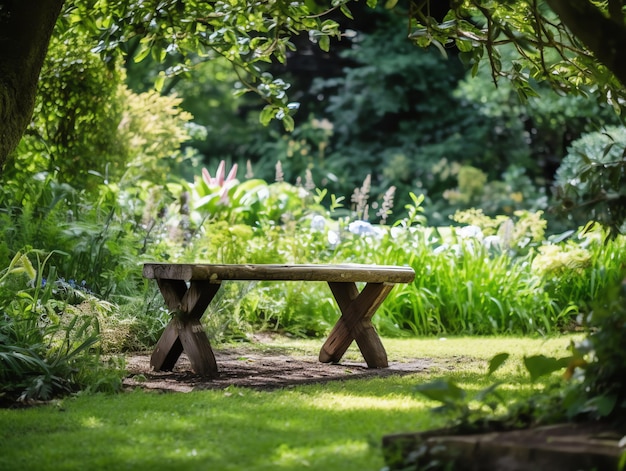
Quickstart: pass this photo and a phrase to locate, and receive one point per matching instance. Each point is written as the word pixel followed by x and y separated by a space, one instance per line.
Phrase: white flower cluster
pixel 360 228
pixel 468 237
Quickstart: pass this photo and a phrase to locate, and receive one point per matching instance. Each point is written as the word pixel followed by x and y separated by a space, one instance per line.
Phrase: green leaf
pixel 346 11
pixel 389 4
pixel 441 390
pixel 142 53
pixel 604 405
pixel 496 362
pixel 440 47
pixel 159 81
pixel 622 461
pixel 541 365
pixel 324 43
pixel 267 114
pixel 483 394
pixel 158 53
pixel 372 3
pixel 464 45
pixel 288 123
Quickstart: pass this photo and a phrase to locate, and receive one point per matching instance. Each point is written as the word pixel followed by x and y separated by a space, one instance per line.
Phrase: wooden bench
pixel 189 288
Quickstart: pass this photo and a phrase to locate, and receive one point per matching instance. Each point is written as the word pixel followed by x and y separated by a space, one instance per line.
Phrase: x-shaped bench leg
pixel 185 332
pixel 355 323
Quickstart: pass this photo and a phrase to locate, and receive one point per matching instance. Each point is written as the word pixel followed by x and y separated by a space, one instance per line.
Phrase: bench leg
pixel 185 332
pixel 355 323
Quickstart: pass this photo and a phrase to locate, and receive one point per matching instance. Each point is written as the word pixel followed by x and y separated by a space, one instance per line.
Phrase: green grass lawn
pixel 338 425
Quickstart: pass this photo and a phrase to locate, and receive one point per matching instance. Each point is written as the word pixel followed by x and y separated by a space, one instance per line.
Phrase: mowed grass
pixel 337 425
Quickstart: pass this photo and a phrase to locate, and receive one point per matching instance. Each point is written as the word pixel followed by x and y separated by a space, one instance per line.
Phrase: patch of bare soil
pixel 245 367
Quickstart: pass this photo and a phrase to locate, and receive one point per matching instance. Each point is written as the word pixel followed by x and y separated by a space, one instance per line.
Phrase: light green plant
pixel 519 232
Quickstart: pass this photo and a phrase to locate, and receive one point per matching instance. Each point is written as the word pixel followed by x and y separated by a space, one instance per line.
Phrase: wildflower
pixel 309 184
pixel 441 249
pixel 249 172
pixel 470 232
pixel 224 183
pixel 318 222
pixel 492 242
pixel 219 179
pixel 333 239
pixel 280 176
pixel 554 260
pixel 385 209
pixel 360 197
pixel 362 228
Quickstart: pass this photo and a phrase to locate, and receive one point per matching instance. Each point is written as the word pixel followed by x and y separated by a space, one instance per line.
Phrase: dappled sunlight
pixel 287 457
pixel 234 429
pixel 318 426
pixel 349 402
pixel 92 422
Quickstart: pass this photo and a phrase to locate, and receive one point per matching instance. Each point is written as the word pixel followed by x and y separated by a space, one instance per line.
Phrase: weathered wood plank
pixel 355 324
pixel 173 292
pixel 184 332
pixel 189 288
pixel 167 350
pixel 560 447
pixel 275 272
pixel 197 298
pixel 197 347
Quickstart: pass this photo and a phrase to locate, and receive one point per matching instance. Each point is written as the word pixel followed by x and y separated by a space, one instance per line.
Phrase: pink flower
pixel 224 183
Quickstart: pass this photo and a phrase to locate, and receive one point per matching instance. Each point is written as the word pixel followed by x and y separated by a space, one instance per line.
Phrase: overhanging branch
pixel 603 36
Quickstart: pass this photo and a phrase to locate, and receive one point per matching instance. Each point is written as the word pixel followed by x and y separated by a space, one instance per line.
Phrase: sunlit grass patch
pixel 338 424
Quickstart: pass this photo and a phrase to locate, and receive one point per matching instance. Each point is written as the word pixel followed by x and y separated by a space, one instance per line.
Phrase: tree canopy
pixel 574 45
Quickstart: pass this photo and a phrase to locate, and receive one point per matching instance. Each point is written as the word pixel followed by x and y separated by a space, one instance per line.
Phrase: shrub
pixel 48 347
pixel 590 181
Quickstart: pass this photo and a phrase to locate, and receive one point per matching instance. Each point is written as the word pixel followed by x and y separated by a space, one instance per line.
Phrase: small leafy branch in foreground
pixel 477 412
pixel 590 386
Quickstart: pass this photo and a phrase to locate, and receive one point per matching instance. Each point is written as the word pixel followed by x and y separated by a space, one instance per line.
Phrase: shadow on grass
pixel 337 425
pixel 313 427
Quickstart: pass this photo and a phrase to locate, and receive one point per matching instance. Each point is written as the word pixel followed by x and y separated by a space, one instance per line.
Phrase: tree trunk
pixel 604 36
pixel 25 30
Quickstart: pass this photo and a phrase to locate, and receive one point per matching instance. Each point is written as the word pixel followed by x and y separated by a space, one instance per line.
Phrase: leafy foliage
pixel 89 129
pixel 589 386
pixel 545 47
pixel 76 117
pixel 46 345
pixel 246 34
pixel 591 179
pixel 598 361
pixel 106 193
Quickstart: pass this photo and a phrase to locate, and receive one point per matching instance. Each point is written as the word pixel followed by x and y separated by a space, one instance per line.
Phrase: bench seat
pixel 189 288
pixel 275 272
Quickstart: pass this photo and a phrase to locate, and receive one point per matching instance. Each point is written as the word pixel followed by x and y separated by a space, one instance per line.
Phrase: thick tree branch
pixel 604 37
pixel 25 30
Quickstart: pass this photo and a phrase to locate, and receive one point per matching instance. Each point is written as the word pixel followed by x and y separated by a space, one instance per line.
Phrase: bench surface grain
pixel 277 272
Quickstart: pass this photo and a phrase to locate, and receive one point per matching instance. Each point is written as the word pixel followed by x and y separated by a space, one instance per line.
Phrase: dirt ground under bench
pixel 246 367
